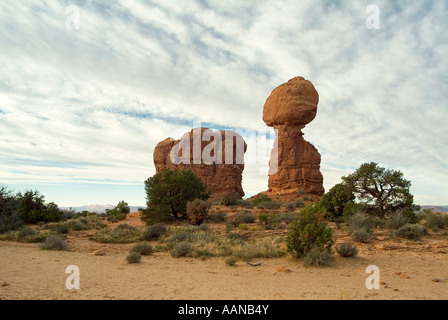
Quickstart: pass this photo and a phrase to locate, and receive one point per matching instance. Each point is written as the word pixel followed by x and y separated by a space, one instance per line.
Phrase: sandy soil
pixel 407 270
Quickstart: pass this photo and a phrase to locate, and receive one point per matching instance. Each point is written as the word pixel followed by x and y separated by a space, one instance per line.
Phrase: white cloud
pixel 137 72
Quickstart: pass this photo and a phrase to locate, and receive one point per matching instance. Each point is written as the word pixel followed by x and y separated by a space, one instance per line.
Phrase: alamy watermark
pixel 373 280
pixel 373 20
pixel 72 281
pixel 72 21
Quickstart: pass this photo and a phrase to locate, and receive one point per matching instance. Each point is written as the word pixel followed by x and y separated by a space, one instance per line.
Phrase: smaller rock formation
pixel 215 157
pixel 295 163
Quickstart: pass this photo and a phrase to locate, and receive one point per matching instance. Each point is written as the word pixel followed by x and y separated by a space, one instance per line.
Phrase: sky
pixel 88 88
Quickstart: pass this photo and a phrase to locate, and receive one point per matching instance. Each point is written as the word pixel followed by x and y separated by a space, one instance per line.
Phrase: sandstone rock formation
pixel 215 157
pixel 294 164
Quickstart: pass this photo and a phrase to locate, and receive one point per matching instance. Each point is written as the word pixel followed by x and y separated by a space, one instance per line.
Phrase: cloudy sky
pixel 88 88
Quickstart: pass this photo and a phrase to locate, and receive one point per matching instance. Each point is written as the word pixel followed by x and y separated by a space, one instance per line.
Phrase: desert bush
pixel 26 232
pixel 361 235
pixel 54 243
pixel 145 249
pixel 181 249
pixel 118 213
pixel 269 205
pixel 317 257
pixel 412 231
pixel 359 221
pixel 93 220
pixel 299 203
pixel 245 204
pixel 309 230
pixel 30 235
pixel 202 227
pixel 346 249
pixel 9 217
pixel 230 200
pixel 32 208
pixel 258 249
pixel 180 236
pixel 155 231
pixel 244 217
pixel 261 199
pixel 396 221
pixel 134 257
pixel 123 233
pixel 168 192
pixel 78 225
pixel 435 221
pixel 273 220
pixel 335 200
pixel 290 206
pixel 234 235
pixel 197 211
pixel 231 261
pixel 217 217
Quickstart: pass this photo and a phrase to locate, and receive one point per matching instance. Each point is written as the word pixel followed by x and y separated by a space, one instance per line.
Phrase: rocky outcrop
pixel 294 164
pixel 217 157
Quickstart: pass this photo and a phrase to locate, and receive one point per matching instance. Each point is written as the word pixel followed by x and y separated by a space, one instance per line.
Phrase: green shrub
pixel 26 232
pixel 30 235
pixel 359 221
pixel 261 199
pixel 290 206
pixel 258 249
pixel 435 221
pixel 245 204
pixel 410 215
pixel 54 243
pixel 230 200
pixel 94 221
pixel 155 231
pixel 217 217
pixel 78 225
pixel 361 235
pixel 299 203
pixel 145 249
pixel 168 192
pixel 335 200
pixel 180 236
pixel 396 221
pixel 351 208
pixel 134 257
pixel 265 220
pixel 234 235
pixel 202 227
pixel 309 230
pixel 269 205
pixel 123 233
pixel 197 211
pixel 317 257
pixel 181 249
pixel 244 217
pixel 231 261
pixel 118 213
pixel 412 231
pixel 346 249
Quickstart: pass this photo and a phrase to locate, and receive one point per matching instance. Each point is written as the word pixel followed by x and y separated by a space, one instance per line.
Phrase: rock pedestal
pixel 294 164
pixel 215 157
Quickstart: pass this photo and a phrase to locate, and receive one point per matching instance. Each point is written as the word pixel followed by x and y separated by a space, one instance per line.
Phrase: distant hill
pixel 436 208
pixel 99 208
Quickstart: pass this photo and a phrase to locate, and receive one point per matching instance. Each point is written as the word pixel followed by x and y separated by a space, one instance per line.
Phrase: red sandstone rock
pixel 218 161
pixel 295 163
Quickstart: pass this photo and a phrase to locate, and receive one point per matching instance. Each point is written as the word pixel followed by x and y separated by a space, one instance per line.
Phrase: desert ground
pixel 408 270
